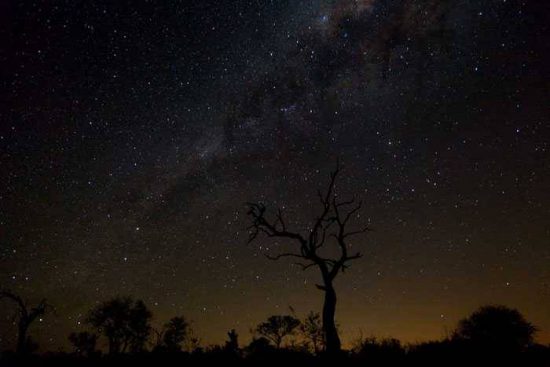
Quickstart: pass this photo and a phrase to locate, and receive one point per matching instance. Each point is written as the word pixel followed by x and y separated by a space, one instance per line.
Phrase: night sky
pixel 132 133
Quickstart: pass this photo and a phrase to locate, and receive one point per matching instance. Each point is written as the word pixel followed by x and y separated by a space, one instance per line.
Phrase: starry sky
pixel 132 133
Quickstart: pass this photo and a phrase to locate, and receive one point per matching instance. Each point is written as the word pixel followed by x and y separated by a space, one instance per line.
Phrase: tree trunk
pixel 332 341
pixel 22 340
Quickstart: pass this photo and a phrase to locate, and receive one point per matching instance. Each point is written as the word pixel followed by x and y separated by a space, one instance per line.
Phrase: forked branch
pixel 331 222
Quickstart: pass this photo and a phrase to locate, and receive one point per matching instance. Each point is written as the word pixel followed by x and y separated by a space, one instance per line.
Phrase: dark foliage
pixel 124 322
pixel 175 333
pixel 496 328
pixel 311 329
pixel 492 335
pixel 384 350
pixel 261 353
pixel 277 327
pixel 84 343
pixel 232 344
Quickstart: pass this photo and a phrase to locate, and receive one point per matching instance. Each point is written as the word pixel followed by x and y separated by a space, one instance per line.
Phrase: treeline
pixel 120 333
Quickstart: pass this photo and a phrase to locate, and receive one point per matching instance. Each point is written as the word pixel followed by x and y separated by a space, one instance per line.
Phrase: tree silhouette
pixel 139 326
pixel 494 327
pixel 277 327
pixel 312 331
pixel 124 323
pixel 175 332
pixel 388 350
pixel 25 316
pixel 84 343
pixel 258 346
pixel 330 224
pixel 232 344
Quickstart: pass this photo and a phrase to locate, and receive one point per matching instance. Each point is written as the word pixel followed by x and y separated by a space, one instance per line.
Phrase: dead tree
pixel 25 317
pixel 330 226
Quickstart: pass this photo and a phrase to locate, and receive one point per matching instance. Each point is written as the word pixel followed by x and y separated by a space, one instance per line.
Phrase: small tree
pixel 84 343
pixel 123 322
pixel 312 331
pixel 259 346
pixel 175 333
pixel 277 327
pixel 232 344
pixel 25 316
pixel 193 343
pixel 139 327
pixel 495 327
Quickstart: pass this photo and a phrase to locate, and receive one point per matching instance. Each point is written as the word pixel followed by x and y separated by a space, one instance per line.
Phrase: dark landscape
pixel 275 182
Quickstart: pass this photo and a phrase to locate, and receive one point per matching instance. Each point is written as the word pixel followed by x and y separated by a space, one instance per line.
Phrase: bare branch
pixel 15 298
pixel 333 214
pixel 321 198
pixel 344 203
pixel 356 256
pixel 353 233
pixel 260 224
pixel 321 287
pixel 280 219
pixel 352 212
pixel 305 266
pixel 287 254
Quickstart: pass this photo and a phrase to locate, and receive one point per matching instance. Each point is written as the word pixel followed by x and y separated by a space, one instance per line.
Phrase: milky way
pixel 133 133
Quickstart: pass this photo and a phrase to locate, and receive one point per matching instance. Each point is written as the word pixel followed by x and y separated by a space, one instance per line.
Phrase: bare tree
pixel 25 317
pixel 330 226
